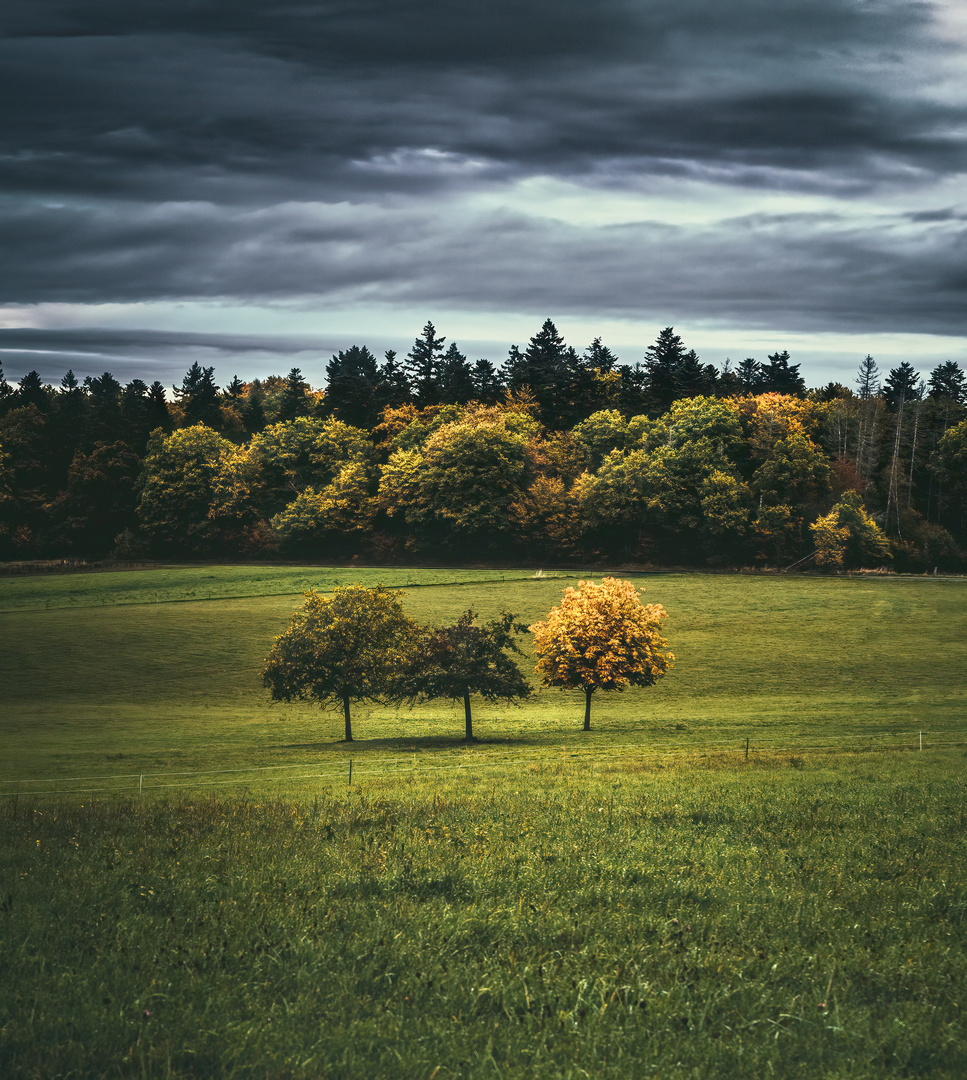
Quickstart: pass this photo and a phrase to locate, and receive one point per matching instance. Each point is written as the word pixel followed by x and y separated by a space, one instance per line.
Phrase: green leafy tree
pixel 671 489
pixel 601 637
pixel 464 659
pixel 848 536
pixel 195 493
pixel 341 509
pixel 796 478
pixel 548 518
pixel 340 649
pixel 949 463
pixel 460 484
pixel 599 434
pixel 99 500
pixel 305 452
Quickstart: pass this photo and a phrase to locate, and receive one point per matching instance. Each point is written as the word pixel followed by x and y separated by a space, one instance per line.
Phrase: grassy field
pixel 640 900
pixel 145 690
pixel 738 921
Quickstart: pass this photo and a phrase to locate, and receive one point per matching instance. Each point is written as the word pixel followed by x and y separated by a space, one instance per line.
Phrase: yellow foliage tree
pixel 601 638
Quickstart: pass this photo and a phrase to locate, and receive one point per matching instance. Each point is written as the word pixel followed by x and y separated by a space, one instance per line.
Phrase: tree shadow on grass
pixel 414 744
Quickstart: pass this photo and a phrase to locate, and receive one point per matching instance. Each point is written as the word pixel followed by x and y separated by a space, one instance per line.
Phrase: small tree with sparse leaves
pixel 464 659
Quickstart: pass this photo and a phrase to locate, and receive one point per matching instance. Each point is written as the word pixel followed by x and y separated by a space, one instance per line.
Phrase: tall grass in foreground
pixel 743 921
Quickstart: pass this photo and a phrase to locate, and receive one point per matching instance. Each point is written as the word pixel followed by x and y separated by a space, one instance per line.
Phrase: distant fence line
pixel 405 766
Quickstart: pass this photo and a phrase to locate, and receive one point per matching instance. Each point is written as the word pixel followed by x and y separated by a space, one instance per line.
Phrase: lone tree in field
pixel 601 638
pixel 342 649
pixel 457 661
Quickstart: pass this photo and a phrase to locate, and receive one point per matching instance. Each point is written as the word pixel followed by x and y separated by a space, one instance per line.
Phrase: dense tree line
pixel 555 455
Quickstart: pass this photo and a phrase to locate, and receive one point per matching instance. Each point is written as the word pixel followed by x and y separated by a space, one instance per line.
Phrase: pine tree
pixel 159 415
pixel 456 377
pixel 296 398
pixel 423 366
pixel 662 363
pixel 542 369
pixel 867 379
pixel 198 396
pixel 781 377
pixel 394 387
pixel 352 388
pixel 32 391
pixel 902 392
pixel 487 385
pixel 6 394
pixel 253 410
pixel 947 380
pixel 868 391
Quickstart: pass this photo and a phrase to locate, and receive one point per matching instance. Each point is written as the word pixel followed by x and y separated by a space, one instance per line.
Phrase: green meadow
pixel 152 673
pixel 190 886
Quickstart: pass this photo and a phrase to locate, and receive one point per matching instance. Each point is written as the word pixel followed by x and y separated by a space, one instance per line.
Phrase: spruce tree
pixel 662 363
pixel 423 366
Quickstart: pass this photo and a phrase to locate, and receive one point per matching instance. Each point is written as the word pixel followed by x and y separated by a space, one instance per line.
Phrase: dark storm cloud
pixel 191 149
pixel 248 100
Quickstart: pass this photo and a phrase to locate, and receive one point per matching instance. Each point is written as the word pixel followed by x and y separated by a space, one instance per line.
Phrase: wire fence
pixel 379 768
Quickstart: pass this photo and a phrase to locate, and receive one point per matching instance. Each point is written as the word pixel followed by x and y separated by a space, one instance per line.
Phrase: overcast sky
pixel 257 184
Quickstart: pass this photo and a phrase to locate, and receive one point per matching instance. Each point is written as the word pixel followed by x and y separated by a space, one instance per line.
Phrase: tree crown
pixel 601 637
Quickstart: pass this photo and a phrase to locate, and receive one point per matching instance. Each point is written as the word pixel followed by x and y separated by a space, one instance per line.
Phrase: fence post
pixel 746 749
pixel 140 783
pixel 921 740
pixel 350 772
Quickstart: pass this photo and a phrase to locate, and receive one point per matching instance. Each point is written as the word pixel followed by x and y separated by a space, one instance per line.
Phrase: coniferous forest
pixel 554 456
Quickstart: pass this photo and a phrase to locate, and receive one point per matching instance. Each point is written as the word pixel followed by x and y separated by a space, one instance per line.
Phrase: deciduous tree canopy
pixel 601 638
pixel 339 649
pixel 464 659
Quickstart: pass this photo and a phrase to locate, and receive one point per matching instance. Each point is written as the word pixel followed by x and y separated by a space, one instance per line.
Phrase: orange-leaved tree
pixel 601 638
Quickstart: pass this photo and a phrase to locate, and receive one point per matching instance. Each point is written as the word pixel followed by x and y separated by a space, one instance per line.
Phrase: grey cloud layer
pixel 809 272
pixel 198 148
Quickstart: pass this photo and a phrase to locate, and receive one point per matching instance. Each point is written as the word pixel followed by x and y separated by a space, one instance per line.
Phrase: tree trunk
pixel 467 717
pixel 588 691
pixel 349 726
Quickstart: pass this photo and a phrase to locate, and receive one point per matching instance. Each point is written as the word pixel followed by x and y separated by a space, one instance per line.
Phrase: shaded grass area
pixel 738 921
pixel 172 584
pixel 784 662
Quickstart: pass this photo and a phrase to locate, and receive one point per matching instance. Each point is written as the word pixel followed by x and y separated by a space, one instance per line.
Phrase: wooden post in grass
pixel 746 749
pixel 350 772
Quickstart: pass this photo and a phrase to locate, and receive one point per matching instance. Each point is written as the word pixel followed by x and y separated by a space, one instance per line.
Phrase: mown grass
pixel 171 584
pixel 745 920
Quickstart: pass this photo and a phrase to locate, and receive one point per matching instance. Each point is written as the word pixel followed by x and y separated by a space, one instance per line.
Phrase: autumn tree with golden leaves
pixel 601 638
